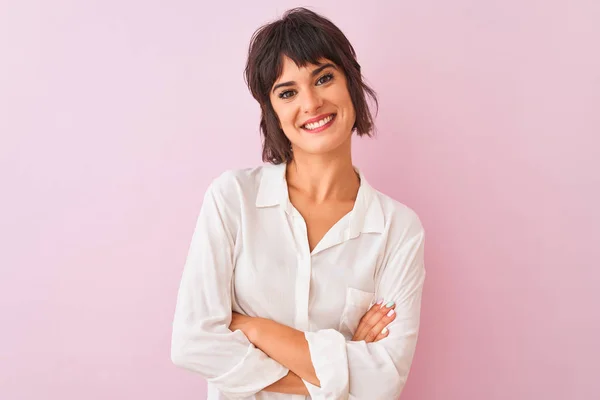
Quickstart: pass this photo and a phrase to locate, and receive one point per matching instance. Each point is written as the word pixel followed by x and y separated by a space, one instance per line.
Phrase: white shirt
pixel 249 253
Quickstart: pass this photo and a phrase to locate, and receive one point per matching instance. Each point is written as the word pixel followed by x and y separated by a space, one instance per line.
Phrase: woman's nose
pixel 311 101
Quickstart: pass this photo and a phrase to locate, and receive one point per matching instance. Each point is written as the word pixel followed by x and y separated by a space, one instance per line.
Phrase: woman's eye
pixel 327 78
pixel 283 95
pixel 322 80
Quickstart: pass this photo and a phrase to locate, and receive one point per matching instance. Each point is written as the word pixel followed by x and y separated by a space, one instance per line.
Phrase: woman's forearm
pixel 286 345
pixel 289 384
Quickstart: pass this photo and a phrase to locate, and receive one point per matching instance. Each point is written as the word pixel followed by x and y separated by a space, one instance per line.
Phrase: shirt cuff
pixel 330 361
pixel 252 374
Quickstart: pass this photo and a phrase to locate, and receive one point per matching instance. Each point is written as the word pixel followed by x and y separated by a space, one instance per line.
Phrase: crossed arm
pixel 283 344
pixel 265 355
pixel 289 347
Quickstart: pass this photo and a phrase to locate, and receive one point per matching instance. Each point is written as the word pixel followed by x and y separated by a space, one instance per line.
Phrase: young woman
pixel 301 279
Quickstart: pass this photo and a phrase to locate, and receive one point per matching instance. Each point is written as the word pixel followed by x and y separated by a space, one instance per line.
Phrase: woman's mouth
pixel 321 125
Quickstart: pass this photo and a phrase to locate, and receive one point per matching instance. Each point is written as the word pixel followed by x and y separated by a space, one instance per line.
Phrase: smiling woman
pixel 302 279
pixel 304 55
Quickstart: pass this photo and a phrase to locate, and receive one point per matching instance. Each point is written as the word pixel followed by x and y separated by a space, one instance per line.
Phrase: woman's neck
pixel 323 180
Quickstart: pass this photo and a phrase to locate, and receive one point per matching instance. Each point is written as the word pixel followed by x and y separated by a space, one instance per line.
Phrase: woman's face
pixel 302 94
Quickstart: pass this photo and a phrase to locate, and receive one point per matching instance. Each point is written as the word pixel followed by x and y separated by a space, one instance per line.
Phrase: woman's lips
pixel 321 128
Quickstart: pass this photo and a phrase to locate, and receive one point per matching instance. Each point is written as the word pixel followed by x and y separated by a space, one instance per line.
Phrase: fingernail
pixel 380 300
pixel 384 331
pixel 389 314
pixel 388 305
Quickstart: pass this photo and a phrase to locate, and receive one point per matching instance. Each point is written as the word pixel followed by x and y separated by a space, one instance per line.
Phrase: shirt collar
pixel 366 216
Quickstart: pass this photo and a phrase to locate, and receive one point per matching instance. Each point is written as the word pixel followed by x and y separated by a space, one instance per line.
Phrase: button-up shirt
pixel 249 253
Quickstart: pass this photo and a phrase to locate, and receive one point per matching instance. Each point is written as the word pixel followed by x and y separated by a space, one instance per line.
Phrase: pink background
pixel 115 116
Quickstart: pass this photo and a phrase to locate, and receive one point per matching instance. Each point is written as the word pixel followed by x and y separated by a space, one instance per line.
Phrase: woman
pixel 287 258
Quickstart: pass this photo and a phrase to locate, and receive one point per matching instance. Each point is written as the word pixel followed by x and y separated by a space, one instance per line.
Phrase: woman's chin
pixel 321 147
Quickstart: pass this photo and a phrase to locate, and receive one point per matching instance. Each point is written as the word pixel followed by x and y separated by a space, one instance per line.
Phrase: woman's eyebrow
pixel 315 72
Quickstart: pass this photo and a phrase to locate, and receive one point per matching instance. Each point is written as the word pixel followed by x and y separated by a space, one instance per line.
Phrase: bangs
pixel 304 44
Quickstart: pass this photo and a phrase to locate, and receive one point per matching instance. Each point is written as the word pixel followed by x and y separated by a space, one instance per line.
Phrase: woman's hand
pixel 372 326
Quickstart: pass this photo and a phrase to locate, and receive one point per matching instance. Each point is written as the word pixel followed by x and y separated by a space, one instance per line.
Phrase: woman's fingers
pixel 376 320
pixel 363 326
pixel 372 317
pixel 380 330
pixel 359 330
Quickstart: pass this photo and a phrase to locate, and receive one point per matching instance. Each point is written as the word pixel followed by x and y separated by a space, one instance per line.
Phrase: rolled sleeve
pixel 329 357
pixel 252 373
pixel 379 370
pixel 201 339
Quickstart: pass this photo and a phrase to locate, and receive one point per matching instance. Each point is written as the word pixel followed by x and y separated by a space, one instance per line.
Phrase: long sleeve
pixel 376 371
pixel 201 339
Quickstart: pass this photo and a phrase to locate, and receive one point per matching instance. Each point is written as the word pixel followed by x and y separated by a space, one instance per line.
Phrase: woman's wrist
pixel 289 384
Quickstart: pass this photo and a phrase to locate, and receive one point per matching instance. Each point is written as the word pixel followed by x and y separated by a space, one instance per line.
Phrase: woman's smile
pixel 319 126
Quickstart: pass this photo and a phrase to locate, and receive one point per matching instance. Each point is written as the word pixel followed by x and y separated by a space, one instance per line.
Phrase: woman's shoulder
pixel 238 181
pixel 398 214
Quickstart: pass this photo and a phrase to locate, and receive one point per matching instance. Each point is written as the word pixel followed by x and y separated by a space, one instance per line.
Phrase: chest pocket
pixel 357 304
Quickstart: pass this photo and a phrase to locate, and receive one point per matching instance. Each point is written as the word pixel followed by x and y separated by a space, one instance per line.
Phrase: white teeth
pixel 319 124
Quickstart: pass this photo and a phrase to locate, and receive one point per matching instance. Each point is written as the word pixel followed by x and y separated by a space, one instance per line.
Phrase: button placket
pixel 303 273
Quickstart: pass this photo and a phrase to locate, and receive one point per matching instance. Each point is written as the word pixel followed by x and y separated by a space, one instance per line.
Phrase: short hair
pixel 305 37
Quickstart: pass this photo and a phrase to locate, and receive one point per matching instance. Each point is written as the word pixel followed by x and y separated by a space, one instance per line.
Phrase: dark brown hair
pixel 305 37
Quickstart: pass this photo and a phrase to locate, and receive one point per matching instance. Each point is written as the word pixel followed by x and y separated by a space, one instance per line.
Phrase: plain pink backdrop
pixel 115 116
